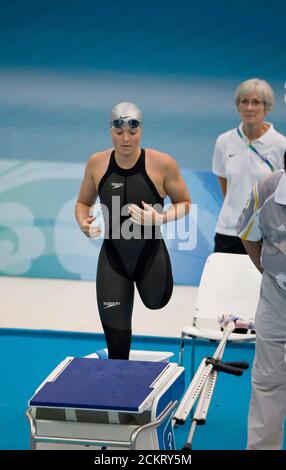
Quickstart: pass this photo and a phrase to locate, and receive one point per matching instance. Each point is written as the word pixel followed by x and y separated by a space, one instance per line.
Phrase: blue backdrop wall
pixel 63 65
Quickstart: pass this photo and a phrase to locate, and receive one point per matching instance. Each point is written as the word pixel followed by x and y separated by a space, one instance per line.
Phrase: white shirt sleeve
pixel 280 149
pixel 218 167
pixel 283 155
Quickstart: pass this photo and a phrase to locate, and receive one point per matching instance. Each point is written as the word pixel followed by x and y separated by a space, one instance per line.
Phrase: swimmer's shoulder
pixel 99 158
pixel 99 161
pixel 160 160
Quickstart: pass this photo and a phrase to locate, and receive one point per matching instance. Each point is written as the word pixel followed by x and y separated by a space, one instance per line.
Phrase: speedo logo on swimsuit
pixel 116 185
pixel 110 304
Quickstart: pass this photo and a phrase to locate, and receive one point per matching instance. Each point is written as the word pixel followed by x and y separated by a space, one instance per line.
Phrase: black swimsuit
pixel 130 253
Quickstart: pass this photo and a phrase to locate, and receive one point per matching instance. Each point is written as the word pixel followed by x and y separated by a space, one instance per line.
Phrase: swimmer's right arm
pixel 86 198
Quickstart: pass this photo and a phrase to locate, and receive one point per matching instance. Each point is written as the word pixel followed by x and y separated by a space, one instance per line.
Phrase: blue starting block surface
pixel 100 384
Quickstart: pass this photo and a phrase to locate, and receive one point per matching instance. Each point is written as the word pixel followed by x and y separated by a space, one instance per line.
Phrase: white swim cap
pixel 126 113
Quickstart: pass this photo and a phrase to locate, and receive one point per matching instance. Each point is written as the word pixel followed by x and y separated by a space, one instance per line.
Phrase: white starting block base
pixel 137 355
pixel 141 398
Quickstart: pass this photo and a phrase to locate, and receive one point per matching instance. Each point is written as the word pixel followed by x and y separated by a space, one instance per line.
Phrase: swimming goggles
pixel 132 123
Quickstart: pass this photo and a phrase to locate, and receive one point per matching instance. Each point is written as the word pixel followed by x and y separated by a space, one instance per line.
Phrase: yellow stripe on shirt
pixel 252 218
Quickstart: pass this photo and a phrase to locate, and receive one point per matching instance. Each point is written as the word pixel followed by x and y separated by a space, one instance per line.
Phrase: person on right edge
pixel 242 156
pixel 262 228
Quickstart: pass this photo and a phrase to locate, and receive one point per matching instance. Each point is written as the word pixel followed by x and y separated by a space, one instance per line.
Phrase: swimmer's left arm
pixel 176 188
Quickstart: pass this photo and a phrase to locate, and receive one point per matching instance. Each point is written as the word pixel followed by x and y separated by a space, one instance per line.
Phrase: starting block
pixel 107 404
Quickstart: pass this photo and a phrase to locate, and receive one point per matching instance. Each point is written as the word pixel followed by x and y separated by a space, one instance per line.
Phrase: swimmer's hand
pixel 89 230
pixel 146 216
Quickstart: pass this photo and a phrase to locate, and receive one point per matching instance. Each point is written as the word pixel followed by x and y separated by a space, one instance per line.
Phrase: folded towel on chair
pixel 224 319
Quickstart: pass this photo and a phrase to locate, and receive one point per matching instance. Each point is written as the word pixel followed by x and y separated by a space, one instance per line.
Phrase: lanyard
pixel 255 151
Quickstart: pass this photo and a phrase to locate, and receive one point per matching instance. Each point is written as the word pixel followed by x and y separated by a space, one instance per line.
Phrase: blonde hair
pixel 261 86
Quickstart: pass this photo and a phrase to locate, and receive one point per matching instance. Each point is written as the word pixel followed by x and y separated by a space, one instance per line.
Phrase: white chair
pixel 230 284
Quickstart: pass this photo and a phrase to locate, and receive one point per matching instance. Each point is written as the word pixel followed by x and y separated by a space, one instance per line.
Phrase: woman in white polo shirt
pixel 244 155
